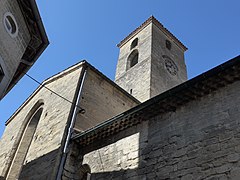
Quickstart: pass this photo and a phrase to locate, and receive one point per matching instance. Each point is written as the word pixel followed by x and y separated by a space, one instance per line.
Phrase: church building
pixel 150 123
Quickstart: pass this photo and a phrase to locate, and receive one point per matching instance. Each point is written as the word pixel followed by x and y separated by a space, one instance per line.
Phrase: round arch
pixel 132 59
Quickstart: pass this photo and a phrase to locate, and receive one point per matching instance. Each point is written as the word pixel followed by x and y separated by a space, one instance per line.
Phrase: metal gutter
pixel 72 122
pixel 184 87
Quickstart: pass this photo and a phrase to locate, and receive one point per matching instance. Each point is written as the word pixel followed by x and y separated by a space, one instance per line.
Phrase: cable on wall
pixel 81 110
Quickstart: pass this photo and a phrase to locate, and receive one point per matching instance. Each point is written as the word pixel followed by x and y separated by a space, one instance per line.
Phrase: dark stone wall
pixel 201 140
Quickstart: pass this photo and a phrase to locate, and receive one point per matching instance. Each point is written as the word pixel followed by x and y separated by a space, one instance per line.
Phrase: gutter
pixel 75 110
pixel 174 92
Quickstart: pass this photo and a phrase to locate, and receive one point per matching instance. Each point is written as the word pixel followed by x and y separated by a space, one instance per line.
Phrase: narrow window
pixel 134 43
pixel 131 91
pixel 168 45
pixel 132 59
pixel 85 172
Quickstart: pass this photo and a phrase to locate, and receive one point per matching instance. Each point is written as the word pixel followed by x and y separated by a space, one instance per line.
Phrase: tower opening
pixel 132 59
pixel 134 43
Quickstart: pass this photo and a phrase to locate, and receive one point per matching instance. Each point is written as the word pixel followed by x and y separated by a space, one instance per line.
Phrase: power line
pixel 42 85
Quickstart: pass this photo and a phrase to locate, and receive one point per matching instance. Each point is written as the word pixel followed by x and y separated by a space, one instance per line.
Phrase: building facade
pixel 151 123
pixel 22 40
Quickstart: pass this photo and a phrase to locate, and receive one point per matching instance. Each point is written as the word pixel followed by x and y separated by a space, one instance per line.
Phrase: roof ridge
pixel 152 19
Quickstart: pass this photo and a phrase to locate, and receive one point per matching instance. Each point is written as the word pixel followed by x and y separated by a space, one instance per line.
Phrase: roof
pixel 38 42
pixel 44 83
pixel 153 20
pixel 63 73
pixel 168 101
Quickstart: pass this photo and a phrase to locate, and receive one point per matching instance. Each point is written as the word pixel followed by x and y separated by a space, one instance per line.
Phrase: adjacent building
pixel 22 40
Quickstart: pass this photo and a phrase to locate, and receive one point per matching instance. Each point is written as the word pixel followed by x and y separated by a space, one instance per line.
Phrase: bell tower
pixel 151 61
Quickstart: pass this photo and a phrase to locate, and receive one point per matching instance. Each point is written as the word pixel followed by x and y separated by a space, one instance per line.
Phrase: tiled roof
pixel 152 19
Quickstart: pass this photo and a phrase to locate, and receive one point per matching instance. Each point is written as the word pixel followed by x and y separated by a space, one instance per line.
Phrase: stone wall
pixel 198 141
pixel 101 100
pixel 11 48
pixel 48 136
pixel 161 79
pixel 136 80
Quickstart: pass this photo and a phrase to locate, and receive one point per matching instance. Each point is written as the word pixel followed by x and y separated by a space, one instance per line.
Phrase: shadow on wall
pixel 200 139
pixel 41 168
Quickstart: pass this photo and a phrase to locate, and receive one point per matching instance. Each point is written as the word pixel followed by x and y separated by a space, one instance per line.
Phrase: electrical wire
pixel 42 85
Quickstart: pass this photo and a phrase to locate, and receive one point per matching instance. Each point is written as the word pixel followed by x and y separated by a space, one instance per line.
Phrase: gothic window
pixel 134 43
pixel 132 59
pixel 168 45
pixel 25 140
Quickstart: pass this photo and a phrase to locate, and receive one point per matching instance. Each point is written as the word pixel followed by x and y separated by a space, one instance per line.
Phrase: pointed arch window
pixel 28 130
pixel 132 59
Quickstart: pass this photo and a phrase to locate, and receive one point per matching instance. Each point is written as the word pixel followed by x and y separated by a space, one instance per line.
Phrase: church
pixel 150 123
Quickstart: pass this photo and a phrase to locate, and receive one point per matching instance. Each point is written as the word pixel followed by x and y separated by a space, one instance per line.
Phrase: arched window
pixel 132 59
pixel 168 45
pixel 25 141
pixel 134 43
pixel 85 172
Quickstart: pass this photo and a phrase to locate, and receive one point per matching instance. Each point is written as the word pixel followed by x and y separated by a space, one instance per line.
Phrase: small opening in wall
pixel 85 172
pixel 10 24
pixel 134 43
pixel 168 45
pixel 131 91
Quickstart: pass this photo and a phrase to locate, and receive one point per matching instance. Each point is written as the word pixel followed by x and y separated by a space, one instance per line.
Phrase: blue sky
pixel 91 29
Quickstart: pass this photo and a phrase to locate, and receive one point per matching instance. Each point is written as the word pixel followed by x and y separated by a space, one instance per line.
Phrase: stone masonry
pixel 50 130
pixel 42 150
pixel 11 49
pixel 198 141
pixel 150 76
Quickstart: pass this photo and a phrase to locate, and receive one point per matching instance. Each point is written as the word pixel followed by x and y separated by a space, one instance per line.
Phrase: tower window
pixel 134 43
pixel 132 59
pixel 1 73
pixel 168 45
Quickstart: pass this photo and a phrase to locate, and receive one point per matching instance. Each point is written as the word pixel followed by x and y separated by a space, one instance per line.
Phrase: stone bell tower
pixel 151 61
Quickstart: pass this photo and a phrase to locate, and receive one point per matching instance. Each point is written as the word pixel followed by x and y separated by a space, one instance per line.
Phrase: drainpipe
pixel 70 129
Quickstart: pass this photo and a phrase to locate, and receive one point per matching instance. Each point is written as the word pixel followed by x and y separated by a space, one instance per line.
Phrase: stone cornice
pixel 153 20
pixel 169 101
